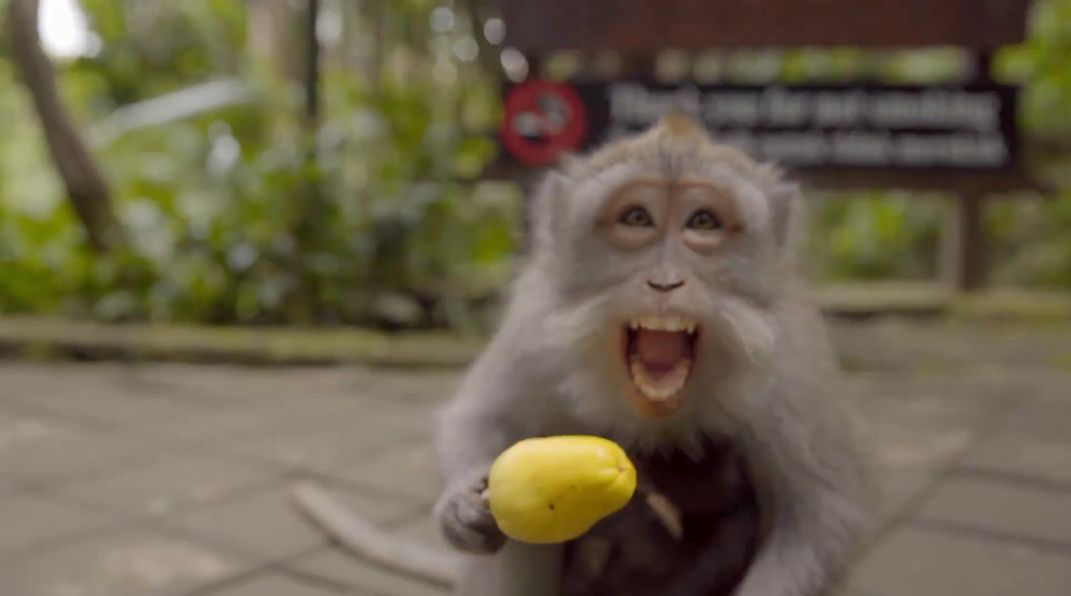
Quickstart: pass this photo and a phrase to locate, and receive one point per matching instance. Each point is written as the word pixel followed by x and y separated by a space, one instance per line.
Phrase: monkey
pixel 660 305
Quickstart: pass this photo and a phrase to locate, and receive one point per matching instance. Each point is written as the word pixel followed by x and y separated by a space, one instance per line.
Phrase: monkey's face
pixel 684 269
pixel 660 261
pixel 666 230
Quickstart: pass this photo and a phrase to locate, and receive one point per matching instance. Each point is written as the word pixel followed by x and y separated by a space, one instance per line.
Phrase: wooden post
pixel 640 66
pixel 535 65
pixel 312 66
pixel 528 178
pixel 963 246
pixel 967 246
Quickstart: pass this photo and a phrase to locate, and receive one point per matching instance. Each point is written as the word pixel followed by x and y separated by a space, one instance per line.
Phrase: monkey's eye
pixel 704 220
pixel 637 217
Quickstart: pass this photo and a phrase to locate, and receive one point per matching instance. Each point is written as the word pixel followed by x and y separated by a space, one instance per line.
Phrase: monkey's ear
pixel 544 208
pixel 786 205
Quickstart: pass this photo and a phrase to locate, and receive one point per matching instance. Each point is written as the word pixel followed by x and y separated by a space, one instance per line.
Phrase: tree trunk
pixel 86 187
pixel 273 36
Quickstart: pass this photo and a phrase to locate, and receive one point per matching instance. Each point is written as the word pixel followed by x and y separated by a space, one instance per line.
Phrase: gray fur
pixel 772 384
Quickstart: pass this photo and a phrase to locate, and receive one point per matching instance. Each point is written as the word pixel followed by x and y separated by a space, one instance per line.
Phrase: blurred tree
pixel 274 35
pixel 86 188
pixel 228 218
pixel 197 120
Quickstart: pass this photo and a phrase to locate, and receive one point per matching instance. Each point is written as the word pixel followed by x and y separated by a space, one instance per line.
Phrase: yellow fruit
pixel 553 489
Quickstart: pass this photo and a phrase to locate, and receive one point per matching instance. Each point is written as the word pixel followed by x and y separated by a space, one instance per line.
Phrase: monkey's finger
pixel 471 527
pixel 473 541
pixel 474 512
pixel 667 514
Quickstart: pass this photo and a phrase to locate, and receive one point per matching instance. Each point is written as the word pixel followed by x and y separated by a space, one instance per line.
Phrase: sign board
pixel 544 118
pixel 961 127
pixel 645 26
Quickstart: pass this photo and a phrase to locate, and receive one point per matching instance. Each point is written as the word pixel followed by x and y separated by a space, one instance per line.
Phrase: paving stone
pixel 851 591
pixel 920 427
pixel 424 529
pixel 1035 439
pixel 336 567
pixel 108 398
pixel 233 403
pixel 325 449
pixel 233 419
pixel 36 449
pixel 30 521
pixel 940 407
pixel 8 408
pixel 270 584
pixel 229 424
pixel 909 459
pixel 409 469
pixel 358 412
pixel 27 380
pixel 254 384
pixel 927 430
pixel 1002 507
pixel 1030 456
pixel 265 525
pixel 921 562
pixel 99 428
pixel 126 562
pixel 429 388
pixel 898 488
pixel 170 482
pixel 1045 417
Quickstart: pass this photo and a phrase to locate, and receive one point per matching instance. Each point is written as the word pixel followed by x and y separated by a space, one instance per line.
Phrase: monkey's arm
pixel 499 402
pixel 479 423
pixel 474 431
pixel 507 394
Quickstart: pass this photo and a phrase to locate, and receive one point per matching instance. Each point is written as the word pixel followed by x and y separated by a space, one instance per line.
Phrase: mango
pixel 553 489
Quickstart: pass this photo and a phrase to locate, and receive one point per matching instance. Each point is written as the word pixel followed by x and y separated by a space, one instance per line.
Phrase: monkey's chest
pixel 701 545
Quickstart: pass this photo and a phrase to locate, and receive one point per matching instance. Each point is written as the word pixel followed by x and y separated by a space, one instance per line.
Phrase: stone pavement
pixel 168 479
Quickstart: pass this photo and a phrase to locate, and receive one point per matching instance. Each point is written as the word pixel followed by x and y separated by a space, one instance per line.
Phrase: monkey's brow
pixel 664 158
pixel 599 177
pixel 595 174
pixel 671 162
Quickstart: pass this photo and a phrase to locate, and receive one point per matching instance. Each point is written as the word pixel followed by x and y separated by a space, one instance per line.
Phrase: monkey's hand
pixel 466 519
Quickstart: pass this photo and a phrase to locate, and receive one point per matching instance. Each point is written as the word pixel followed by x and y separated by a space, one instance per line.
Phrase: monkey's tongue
pixel 661 351
pixel 659 363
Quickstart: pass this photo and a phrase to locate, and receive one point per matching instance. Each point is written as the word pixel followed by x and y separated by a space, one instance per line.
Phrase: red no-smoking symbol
pixel 543 119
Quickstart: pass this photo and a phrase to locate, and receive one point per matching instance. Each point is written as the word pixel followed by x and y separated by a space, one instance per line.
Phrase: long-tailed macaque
pixel 660 307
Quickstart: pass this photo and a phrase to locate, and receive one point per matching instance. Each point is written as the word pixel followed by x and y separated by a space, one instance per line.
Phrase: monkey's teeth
pixel 666 323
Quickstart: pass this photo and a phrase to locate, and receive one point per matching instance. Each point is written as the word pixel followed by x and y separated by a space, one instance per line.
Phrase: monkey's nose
pixel 665 287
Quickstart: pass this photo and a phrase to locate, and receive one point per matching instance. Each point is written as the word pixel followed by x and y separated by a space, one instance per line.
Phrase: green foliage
pixel 1044 61
pixel 250 214
pixel 1032 241
pixel 874 236
pixel 246 214
pixel 151 47
pixel 893 235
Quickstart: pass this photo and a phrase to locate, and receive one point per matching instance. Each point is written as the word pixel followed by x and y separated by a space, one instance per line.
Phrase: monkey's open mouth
pixel 659 352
